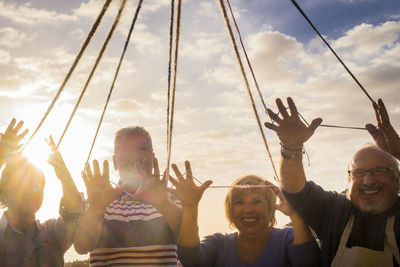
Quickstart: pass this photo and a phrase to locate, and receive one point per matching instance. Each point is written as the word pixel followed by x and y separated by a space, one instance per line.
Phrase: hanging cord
pixel 115 76
pixel 171 37
pixel 247 58
pixel 333 51
pixel 172 101
pixel 256 83
pixel 228 26
pixel 71 70
pixel 99 57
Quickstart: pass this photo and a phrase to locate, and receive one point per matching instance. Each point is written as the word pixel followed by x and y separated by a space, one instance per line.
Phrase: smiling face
pixel 373 194
pixel 250 210
pixel 131 152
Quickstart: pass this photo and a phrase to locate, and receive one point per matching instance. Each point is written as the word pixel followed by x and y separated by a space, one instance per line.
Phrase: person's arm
pixel 189 195
pixel 384 135
pixel 100 195
pixel 72 200
pixel 301 232
pixel 154 191
pixel 9 140
pixel 292 133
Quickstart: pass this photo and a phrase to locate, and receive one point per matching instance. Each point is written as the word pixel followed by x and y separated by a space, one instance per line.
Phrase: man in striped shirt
pixel 135 223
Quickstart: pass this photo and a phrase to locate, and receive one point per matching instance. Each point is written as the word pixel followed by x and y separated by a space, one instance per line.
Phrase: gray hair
pixel 133 130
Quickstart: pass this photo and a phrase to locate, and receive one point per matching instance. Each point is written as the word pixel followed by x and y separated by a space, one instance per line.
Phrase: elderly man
pixel 135 223
pixel 363 230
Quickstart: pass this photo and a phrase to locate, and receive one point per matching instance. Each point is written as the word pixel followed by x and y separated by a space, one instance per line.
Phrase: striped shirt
pixel 134 234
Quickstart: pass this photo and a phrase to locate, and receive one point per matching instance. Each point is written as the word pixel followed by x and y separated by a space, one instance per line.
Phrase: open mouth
pixel 370 192
pixel 249 219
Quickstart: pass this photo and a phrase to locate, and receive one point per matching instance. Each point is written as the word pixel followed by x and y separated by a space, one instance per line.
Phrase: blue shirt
pixel 220 250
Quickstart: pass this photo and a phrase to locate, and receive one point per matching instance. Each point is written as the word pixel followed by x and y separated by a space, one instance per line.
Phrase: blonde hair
pixel 234 193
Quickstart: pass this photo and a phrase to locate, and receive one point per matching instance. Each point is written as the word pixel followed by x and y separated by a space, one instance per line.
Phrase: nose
pixel 368 179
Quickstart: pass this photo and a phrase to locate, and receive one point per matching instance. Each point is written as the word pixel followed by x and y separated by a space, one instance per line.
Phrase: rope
pixel 115 76
pixel 333 51
pixel 228 26
pixel 247 58
pixel 71 70
pixel 171 35
pixel 171 121
pixel 100 55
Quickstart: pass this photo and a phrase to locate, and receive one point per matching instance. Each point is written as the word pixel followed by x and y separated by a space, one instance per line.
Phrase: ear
pixel 115 163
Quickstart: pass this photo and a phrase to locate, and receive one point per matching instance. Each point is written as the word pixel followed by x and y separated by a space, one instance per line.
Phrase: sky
pixel 214 125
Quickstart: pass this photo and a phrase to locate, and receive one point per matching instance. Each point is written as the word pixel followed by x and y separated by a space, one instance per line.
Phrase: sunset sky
pixel 214 126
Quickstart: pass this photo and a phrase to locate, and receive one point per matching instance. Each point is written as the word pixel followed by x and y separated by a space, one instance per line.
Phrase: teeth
pixel 370 192
pixel 249 219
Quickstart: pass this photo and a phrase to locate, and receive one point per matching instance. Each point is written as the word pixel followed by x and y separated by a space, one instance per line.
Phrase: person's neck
pixel 19 220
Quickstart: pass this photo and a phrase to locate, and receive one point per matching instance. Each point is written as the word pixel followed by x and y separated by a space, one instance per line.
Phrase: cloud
pixel 27 15
pixel 10 37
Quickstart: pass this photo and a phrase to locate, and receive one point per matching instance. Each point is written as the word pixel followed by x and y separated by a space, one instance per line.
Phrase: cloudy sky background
pixel 215 127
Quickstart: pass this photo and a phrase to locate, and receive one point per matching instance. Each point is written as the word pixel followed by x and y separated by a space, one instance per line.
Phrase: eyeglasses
pixel 375 172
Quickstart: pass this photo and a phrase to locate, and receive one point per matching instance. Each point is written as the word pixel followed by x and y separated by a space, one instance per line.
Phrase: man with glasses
pixel 135 223
pixel 363 229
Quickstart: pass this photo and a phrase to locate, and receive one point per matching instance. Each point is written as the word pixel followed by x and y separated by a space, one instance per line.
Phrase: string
pixel 72 68
pixel 228 26
pixel 247 58
pixel 115 75
pixel 333 51
pixel 171 35
pixel 171 124
pixel 99 57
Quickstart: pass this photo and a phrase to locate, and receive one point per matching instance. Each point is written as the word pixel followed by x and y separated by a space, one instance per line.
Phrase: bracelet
pixel 291 149
pixel 290 153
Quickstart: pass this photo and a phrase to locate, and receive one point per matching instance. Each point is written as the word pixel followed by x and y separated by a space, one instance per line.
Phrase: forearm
pixel 189 230
pixel 172 214
pixel 302 233
pixel 293 178
pixel 88 233
pixel 72 199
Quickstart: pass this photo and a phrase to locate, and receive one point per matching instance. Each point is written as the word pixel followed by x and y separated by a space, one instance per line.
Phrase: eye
pixel 380 171
pixel 357 172
pixel 238 202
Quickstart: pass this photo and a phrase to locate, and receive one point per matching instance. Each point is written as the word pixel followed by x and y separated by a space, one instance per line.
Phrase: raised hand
pixel 185 189
pixel 384 134
pixel 154 188
pixel 292 132
pixel 99 190
pixel 283 206
pixel 9 142
pixel 56 160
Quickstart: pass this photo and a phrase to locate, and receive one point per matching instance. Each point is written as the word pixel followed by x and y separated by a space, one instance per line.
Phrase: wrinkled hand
pixel 283 206
pixel 154 188
pixel 384 134
pixel 56 160
pixel 292 132
pixel 185 189
pixel 9 142
pixel 98 187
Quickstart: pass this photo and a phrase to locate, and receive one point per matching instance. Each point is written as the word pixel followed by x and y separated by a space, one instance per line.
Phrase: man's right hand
pixel 98 187
pixel 292 132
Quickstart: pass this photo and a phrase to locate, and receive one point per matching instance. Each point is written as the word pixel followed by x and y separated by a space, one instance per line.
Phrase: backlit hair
pixel 16 168
pixel 132 130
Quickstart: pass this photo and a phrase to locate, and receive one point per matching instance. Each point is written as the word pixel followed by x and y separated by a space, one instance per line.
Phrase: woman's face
pixel 250 213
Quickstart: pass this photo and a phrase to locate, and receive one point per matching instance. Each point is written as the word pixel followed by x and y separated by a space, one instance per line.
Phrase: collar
pixel 4 224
